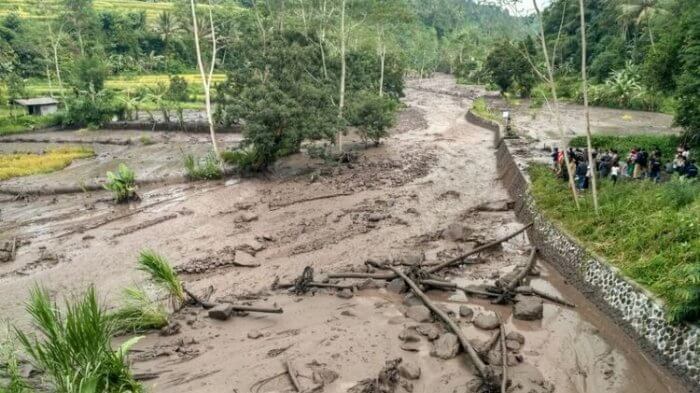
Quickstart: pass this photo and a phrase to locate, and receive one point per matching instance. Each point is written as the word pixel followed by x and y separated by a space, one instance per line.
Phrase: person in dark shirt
pixel 655 169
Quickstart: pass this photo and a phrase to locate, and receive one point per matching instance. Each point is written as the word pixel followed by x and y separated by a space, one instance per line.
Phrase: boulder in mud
pixel 397 285
pixel 429 330
pixel 413 259
pixel 221 312
pixel 487 321
pixel 409 370
pixel 345 294
pixel 495 358
pixel 528 379
pixel 466 311
pixel 446 347
pixel 515 336
pixel 5 256
pixel 170 329
pixel 254 334
pixel 324 376
pixel 419 314
pixel 528 309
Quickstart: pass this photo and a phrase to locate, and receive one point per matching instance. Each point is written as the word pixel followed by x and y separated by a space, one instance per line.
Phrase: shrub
pixel 163 275
pixel 75 348
pixel 206 168
pixel 15 383
pixel 373 115
pixel 177 89
pixel 481 108
pixel 92 110
pixel 122 184
pixel 139 312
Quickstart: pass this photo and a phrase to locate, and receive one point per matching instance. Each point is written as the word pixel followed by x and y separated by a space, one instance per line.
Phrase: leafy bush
pixel 667 144
pixel 74 350
pixel 206 168
pixel 139 312
pixel 24 123
pixel 650 231
pixel 89 73
pixel 373 115
pixel 90 109
pixel 508 68
pixel 163 275
pixel 177 89
pixel 122 184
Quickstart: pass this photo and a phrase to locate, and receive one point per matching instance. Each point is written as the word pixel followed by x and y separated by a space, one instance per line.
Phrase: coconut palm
pixel 641 11
pixel 166 26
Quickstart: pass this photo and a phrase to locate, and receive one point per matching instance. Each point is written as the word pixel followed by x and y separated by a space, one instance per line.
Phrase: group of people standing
pixel 638 164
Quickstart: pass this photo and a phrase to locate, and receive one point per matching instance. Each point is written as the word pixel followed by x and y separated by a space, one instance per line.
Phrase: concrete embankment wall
pixel 635 309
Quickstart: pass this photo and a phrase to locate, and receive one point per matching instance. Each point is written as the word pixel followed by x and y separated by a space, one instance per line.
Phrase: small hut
pixel 39 106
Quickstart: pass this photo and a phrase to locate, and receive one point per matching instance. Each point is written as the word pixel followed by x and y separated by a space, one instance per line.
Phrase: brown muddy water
pixel 393 203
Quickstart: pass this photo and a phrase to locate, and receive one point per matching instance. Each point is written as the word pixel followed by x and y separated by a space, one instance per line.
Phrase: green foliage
pixel 122 184
pixel 13 380
pixel 688 94
pixel 481 108
pixel 90 109
pixel 74 347
pixel 25 123
pixel 509 69
pixel 372 115
pixel 162 275
pixel 650 231
pixel 139 312
pixel 89 74
pixel 177 89
pixel 667 144
pixel 205 168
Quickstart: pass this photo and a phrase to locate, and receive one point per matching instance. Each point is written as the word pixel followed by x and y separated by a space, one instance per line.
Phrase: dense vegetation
pixel 650 231
pixel 642 54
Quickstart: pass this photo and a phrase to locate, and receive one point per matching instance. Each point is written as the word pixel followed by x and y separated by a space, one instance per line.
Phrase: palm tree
pixel 641 11
pixel 166 26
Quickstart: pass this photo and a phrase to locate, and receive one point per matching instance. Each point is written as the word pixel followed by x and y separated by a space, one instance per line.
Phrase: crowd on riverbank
pixel 638 164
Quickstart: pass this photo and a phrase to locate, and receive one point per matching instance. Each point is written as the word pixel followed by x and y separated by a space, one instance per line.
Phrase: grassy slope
pixel 650 231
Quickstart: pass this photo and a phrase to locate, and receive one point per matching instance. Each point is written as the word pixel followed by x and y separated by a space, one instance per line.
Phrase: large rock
pixel 528 309
pixel 397 285
pixel 409 370
pixel 419 314
pixel 515 336
pixel 429 330
pixel 466 311
pixel 221 312
pixel 413 259
pixel 446 347
pixel 486 321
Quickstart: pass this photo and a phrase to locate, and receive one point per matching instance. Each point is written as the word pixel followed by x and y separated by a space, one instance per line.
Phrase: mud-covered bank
pixel 637 311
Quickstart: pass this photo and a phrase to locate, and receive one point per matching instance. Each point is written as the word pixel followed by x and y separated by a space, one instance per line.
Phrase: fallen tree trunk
pixel 459 259
pixel 205 304
pixel 485 371
pixel 434 268
pixel 552 298
pixel 451 285
pixel 504 354
pixel 286 285
pixel 237 307
pixel 510 287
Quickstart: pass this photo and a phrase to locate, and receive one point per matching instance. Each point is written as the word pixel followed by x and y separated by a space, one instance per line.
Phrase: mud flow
pixel 429 193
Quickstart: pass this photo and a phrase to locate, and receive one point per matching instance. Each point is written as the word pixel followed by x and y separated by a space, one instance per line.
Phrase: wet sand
pixel 397 199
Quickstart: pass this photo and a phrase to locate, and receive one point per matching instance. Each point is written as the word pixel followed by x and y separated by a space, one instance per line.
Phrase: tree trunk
pixel 48 77
pixel 206 82
pixel 54 45
pixel 553 89
pixel 586 109
pixel 382 56
pixel 341 100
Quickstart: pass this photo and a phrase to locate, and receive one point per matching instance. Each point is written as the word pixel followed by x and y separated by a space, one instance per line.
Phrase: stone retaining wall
pixel 636 310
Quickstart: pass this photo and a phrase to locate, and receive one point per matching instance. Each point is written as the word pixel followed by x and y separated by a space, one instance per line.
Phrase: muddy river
pixel 393 204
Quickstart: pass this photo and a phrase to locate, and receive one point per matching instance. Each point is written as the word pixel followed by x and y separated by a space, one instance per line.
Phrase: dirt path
pixel 432 172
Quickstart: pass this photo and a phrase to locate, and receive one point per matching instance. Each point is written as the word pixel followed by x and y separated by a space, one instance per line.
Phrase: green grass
pixel 650 231
pixel 481 109
pixel 25 164
pixel 73 347
pixel 24 123
pixel 162 275
pixel 122 184
pixel 139 312
pixel 666 143
pixel 11 380
pixel 206 168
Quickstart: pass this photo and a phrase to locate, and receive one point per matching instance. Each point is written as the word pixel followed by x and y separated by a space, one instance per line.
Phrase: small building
pixel 39 106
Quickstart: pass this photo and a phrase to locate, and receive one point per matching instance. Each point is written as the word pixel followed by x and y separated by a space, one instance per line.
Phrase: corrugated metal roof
pixel 37 101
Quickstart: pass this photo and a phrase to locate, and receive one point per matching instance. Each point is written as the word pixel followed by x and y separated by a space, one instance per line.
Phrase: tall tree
pixel 204 74
pixel 586 110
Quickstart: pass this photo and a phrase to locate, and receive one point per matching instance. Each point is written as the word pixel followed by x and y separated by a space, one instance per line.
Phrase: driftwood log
pixel 434 268
pixel 510 287
pixel 504 354
pixel 485 371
